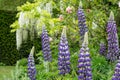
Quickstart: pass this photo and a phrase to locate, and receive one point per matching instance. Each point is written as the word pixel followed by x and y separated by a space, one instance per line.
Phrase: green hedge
pixel 8 52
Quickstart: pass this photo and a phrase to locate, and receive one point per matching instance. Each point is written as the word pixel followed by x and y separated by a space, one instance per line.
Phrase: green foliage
pixel 11 5
pixel 101 69
pixel 118 23
pixel 19 73
pixel 23 62
pixel 2 64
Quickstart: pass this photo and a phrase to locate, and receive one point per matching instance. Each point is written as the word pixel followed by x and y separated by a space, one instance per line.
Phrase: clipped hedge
pixel 8 52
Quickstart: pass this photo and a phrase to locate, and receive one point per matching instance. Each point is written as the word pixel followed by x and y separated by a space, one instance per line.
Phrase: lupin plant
pixel 113 46
pixel 84 61
pixel 46 45
pixel 31 65
pixel 81 22
pixel 103 49
pixel 116 75
pixel 64 54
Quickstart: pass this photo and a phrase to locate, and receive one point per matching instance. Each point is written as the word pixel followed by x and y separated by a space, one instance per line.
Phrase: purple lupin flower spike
pixel 103 49
pixel 81 22
pixel 64 54
pixel 31 65
pixel 113 46
pixel 46 45
pixel 81 65
pixel 116 75
pixel 84 62
pixel 88 65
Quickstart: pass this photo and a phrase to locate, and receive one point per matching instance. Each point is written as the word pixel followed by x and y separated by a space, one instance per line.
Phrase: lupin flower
pixel 31 65
pixel 102 49
pixel 81 22
pixel 116 75
pixel 113 46
pixel 64 54
pixel 46 45
pixel 84 62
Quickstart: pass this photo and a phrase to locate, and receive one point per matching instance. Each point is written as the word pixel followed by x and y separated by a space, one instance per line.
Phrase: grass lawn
pixel 5 71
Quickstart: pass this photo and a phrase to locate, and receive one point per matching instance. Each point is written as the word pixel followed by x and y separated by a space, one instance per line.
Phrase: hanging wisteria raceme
pixel 113 46
pixel 64 54
pixel 31 65
pixel 25 35
pixel 103 49
pixel 19 38
pixel 23 20
pixel 46 45
pixel 84 62
pixel 21 35
pixel 116 75
pixel 81 22
pixel 33 28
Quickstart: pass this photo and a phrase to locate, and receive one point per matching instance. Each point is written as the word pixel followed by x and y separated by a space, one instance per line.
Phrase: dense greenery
pixel 101 69
pixel 11 5
pixel 8 52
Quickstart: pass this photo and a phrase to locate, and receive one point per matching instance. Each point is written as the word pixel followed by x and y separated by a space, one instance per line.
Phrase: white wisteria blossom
pixel 25 35
pixel 19 38
pixel 48 7
pixel 23 20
